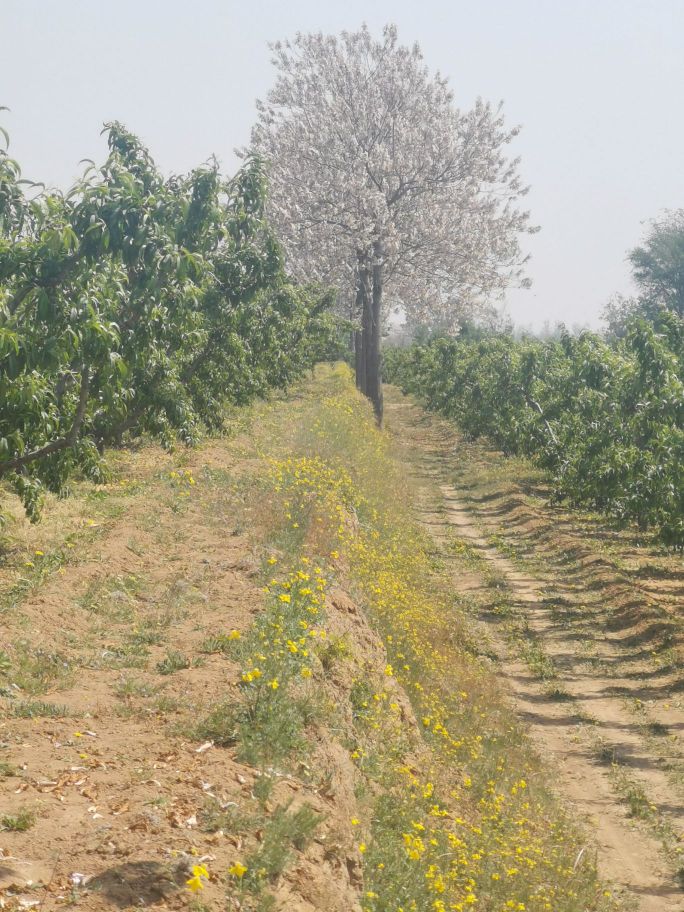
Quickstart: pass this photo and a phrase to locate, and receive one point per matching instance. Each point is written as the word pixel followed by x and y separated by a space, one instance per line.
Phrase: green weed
pixel 173 661
pixel 37 709
pixel 18 823
pixel 285 830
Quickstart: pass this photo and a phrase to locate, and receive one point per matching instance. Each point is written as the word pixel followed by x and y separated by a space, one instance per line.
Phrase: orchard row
pixel 605 419
pixel 138 304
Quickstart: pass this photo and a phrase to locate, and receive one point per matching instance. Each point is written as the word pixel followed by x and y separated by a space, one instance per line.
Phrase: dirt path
pixel 117 615
pixel 108 796
pixel 588 652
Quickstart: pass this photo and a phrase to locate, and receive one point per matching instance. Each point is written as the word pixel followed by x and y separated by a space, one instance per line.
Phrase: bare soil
pixel 588 646
pixel 116 782
pixel 105 612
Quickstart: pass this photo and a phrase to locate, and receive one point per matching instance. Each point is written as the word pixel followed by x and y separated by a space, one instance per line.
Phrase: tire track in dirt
pixel 629 855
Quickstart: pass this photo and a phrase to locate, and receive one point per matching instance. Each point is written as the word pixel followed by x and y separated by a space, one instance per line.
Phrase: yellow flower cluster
pixel 278 648
pixel 199 875
pixel 181 479
pixel 463 828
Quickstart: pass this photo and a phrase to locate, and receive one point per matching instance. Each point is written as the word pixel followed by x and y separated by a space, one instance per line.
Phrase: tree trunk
pixel 373 359
pixel 353 305
pixel 359 365
pixel 364 308
pixel 61 443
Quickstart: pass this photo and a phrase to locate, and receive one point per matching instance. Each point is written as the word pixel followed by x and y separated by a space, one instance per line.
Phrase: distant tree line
pixel 604 418
pixel 658 272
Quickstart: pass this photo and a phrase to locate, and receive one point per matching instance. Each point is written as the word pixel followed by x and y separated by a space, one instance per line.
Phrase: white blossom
pixel 363 144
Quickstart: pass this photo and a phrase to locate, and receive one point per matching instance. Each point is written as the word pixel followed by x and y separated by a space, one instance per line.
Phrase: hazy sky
pixel 597 86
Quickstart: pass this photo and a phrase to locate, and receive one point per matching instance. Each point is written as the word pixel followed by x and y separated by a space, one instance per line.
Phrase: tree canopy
pixel 658 263
pixel 382 187
pixel 137 303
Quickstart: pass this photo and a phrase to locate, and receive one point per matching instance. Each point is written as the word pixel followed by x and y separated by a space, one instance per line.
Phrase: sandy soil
pixel 611 724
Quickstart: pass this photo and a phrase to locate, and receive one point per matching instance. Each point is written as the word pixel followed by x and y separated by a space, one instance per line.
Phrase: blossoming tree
pixel 381 187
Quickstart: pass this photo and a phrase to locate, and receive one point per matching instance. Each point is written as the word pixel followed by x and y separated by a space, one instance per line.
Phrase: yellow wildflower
pixel 195 883
pixel 237 869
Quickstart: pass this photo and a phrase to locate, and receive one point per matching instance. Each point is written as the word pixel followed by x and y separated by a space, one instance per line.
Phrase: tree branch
pixel 61 443
pixel 535 405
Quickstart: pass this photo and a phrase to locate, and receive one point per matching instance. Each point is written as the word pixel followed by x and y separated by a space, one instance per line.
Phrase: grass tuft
pixel 18 823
